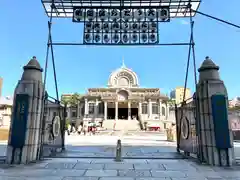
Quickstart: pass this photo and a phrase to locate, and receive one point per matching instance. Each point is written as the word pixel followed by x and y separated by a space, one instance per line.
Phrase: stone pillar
pixel 160 108
pixel 149 109
pixel 209 87
pixel 78 110
pixel 129 110
pixel 167 110
pixel 86 107
pixel 96 109
pixel 139 109
pixel 25 132
pixel 116 110
pixel 105 110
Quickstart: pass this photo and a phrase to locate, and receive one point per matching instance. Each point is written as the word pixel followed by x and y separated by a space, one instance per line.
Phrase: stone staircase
pixel 127 125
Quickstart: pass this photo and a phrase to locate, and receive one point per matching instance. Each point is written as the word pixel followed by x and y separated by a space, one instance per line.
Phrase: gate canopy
pixel 64 8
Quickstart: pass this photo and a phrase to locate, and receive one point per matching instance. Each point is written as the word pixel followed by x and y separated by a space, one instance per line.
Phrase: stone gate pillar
pixel 216 141
pixel 25 132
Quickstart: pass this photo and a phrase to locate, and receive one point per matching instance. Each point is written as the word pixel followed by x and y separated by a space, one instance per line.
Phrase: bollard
pixel 118 151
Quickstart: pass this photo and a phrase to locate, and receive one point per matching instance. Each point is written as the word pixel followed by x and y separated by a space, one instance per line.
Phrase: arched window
pixel 144 108
pixel 101 108
pixel 154 108
pixel 91 108
pixel 163 111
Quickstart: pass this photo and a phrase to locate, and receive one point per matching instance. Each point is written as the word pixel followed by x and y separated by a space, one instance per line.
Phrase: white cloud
pixel 184 22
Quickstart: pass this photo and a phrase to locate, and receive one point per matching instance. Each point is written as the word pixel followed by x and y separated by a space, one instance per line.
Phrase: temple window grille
pixel 91 108
pixel 82 110
pixel 163 111
pixel 155 108
pixel 101 108
pixel 54 114
pixel 74 113
pixel 144 108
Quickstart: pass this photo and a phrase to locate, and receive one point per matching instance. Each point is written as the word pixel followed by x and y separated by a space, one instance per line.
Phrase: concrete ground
pixel 107 169
pixel 146 157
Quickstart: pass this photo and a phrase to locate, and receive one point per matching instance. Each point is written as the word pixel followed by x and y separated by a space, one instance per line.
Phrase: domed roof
pixel 123 77
pixel 208 64
pixel 33 64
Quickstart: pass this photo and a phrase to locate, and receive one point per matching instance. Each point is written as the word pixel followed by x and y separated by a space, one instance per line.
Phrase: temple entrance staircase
pixel 126 125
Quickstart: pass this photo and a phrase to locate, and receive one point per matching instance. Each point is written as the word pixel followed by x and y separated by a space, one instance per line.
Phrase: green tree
pixel 65 100
pixel 74 99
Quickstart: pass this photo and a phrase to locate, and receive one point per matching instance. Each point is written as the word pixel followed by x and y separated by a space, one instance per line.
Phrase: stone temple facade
pixel 123 100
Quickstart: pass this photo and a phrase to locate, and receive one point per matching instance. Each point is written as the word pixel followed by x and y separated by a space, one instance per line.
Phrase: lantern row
pixel 160 14
pixel 121 27
pixel 120 37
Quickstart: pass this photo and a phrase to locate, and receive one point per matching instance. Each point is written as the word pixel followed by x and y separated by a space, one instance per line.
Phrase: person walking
pixel 79 129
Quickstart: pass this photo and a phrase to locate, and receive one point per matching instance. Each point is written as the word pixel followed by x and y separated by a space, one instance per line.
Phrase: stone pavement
pixel 107 169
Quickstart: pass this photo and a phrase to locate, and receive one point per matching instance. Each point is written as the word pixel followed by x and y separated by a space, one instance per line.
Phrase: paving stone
pixel 102 161
pixel 80 178
pixel 68 172
pixel 148 166
pixel 12 178
pixel 134 173
pixel 43 178
pixel 169 174
pixel 152 178
pixel 137 161
pixel 166 161
pixel 190 178
pixel 35 172
pixel 60 165
pixel 116 178
pixel 88 166
pixel 178 167
pixel 118 166
pixel 101 173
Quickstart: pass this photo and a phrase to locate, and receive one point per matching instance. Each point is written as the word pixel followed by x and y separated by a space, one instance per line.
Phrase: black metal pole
pixel 54 69
pixel 42 128
pixel 217 19
pixel 197 121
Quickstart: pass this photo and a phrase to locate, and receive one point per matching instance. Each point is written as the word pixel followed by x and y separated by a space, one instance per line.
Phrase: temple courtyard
pixel 146 156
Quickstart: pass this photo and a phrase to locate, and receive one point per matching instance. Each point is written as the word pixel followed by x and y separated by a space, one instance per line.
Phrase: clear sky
pixel 23 34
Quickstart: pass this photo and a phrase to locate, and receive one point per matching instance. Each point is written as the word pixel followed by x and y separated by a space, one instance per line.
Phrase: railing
pixel 186 126
pixel 234 118
pixel 53 132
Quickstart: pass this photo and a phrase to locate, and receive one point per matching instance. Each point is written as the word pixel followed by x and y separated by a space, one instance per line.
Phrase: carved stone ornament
pixel 185 128
pixel 56 127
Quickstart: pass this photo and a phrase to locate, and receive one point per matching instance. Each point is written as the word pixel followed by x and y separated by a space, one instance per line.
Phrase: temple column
pixel 105 110
pixel 167 110
pixel 139 109
pixel 116 110
pixel 96 108
pixel 86 107
pixel 78 110
pixel 149 109
pixel 129 110
pixel 160 108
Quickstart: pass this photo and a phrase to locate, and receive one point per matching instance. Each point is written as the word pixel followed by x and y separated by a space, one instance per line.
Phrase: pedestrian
pixel 79 129
pixel 85 128
pixel 69 129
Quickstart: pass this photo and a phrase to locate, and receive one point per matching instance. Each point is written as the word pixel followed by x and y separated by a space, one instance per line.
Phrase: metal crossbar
pixel 64 8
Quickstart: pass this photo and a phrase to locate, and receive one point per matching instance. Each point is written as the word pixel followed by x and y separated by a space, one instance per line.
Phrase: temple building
pixel 122 100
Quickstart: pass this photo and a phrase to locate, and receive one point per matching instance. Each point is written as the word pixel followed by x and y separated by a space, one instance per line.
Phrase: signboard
pixel 220 121
pixel 121 26
pixel 156 14
pixel 20 116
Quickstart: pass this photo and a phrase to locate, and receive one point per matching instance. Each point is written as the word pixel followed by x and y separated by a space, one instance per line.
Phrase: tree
pixel 74 99
pixel 171 102
pixel 65 100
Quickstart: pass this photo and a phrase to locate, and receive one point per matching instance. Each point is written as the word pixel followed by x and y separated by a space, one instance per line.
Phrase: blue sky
pixel 23 34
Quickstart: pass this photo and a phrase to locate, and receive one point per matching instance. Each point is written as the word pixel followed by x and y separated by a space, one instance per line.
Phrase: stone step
pixel 122 124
